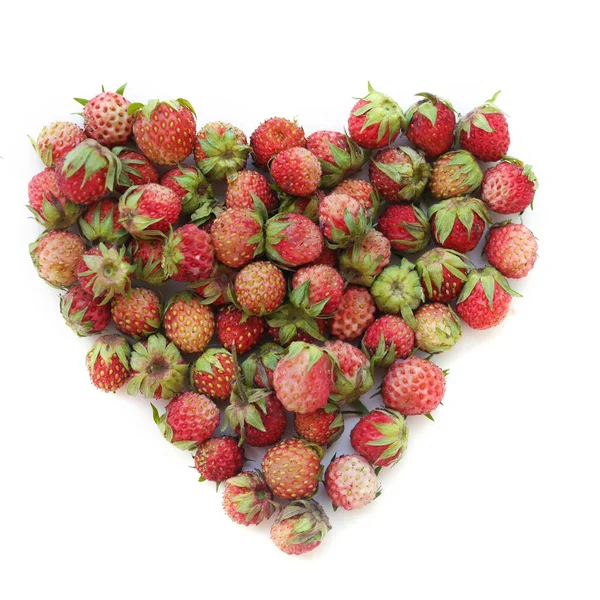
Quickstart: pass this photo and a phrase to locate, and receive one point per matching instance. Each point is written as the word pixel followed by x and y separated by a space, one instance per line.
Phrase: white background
pixel 496 499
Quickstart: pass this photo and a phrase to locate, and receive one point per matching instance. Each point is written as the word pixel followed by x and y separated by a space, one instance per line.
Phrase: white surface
pixel 496 499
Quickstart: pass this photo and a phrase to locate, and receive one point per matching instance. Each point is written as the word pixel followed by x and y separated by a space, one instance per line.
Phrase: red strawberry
pixel 260 288
pixel 292 240
pixel 188 323
pixel 241 191
pixel 192 187
pixel 325 286
pixel 237 236
pixel 406 227
pixel 259 366
pixel 188 254
pixel 509 187
pixel 82 313
pixel 327 257
pixel 218 459
pixel 307 206
pixel 247 499
pixel 56 255
pixel 362 191
pixel 236 329
pixel 323 426
pixel 352 374
pixel 363 261
pixel 213 289
pixel 274 136
pixel 387 339
pixel 512 249
pixel 136 169
pixel 213 374
pixel 56 141
pixel 443 273
pixel 138 313
pixel 296 171
pixel 343 220
pixel 147 257
pixel 100 222
pixel 108 362
pixel 355 313
pixel 454 174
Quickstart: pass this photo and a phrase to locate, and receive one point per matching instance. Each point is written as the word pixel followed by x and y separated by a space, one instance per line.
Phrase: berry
pixel 242 189
pixel 213 374
pixel 237 237
pixel 443 273
pixel 324 287
pixel 234 329
pixel 192 187
pixel 387 339
pixel 343 220
pixel 363 261
pixel 351 482
pixel 188 323
pixel 509 187
pixel 292 240
pixel 55 141
pixel 406 227
pixel 188 254
pixel 260 288
pixel 82 313
pixel 296 171
pixel 147 257
pixel 136 169
pixel 55 255
pixel 274 136
pixel 100 223
pixel 352 374
pixel 218 459
pixel 295 326
pixel 338 155
pixel 138 313
pixel 108 362
pixel 454 174
pixel 323 426
pixel 247 499
pixel 327 257
pixel 438 328
pixel 354 314
pixel 512 249
pixel 213 289
pixel 259 366
pixel 362 191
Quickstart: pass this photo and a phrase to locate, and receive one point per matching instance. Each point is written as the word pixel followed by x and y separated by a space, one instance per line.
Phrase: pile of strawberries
pixel 290 265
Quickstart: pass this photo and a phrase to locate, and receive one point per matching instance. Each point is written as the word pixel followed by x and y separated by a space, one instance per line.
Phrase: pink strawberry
pixel 443 273
pixel 352 373
pixel 108 362
pixel 138 313
pixel 188 323
pixel 406 227
pixel 213 289
pixel 136 169
pixel 323 426
pixel 100 222
pixel 82 313
pixel 213 374
pixel 192 187
pixel 355 313
pixel 362 191
pixel 241 191
pixel 292 240
pixel 188 254
pixel 235 329
pixel 363 261
pixel 343 220
pixel 296 171
pixel 387 339
pixel 325 286
pixel 274 136
pixel 509 187
pixel 55 141
pixel 247 499
pixel 218 459
pixel 260 288
pixel 237 236
pixel 56 255
pixel 351 482
pixel 512 249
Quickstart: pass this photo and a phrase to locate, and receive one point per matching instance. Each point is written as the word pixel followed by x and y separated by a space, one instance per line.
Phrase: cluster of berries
pixel 297 250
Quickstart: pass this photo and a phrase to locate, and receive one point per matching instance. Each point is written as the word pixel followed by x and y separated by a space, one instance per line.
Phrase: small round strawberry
pixel 458 223
pixel 82 313
pixel 188 323
pixel 343 220
pixel 136 169
pixel 387 339
pixel 213 374
pixel 454 174
pixel 406 227
pixel 259 366
pixel 235 329
pixel 351 482
pixel 292 468
pixel 296 171
pixel 292 240
pixel 338 155
pixel 509 187
pixel 485 299
pixel 218 459
pixel 431 124
pixel 56 140
pixel 247 499
pixel 375 121
pixel 241 191
pixel 354 314
pixel 147 256
pixel 56 255
pixel 323 426
pixel 324 286
pixel 363 261
pixel 352 374
pixel 188 254
pixel 100 223
pixel 512 249
pixel 138 313
pixel 213 289
pixel 438 328
pixel 414 386
pixel 484 132
pixel 108 362
pixel 192 187
pixel 361 190
pixel 260 288
pixel 164 131
pixel 399 174
pixel 274 136
pixel 443 273
pixel 300 527
pixel 49 206
pixel 237 237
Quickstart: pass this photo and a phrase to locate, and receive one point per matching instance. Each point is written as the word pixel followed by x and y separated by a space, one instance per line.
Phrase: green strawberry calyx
pixel 487 277
pixel 381 110
pixel 463 208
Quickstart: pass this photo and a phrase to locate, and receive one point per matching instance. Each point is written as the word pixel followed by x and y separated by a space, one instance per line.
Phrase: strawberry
pixel 299 328
pixel 485 299
pixel 362 191
pixel 49 206
pixel 387 339
pixel 327 257
pixel 484 132
pixel 438 328
pixel 218 459
pixel 274 136
pixel 343 220
pixel 188 254
pixel 188 323
pixel 324 426
pixel 324 286
pixel 260 288
pixel 352 373
pixel 381 437
pixel 296 171
pixel 454 174
pixel 443 273
pixel 509 187
pixel 354 314
pixel 300 527
pixel 242 189
pixel 106 119
pixel 375 120
pixel 158 369
pixel 363 261
pixel 292 240
pixel 236 329
pixel 147 257
pixel 108 362
pixel 431 123
pixel 136 169
pixel 512 249
pixel 458 223
pixel 82 313
pixel 307 206
pixel 100 223
pixel 55 141
pixel 164 130
pixel 292 469
pixel 56 255
pixel 192 187
pixel 137 314
pixel 259 366
pixel 247 499
pixel 213 289
pixel 399 174
pixel 221 150
pixel 351 482
pixel 406 227
pixel 213 374
pixel 414 386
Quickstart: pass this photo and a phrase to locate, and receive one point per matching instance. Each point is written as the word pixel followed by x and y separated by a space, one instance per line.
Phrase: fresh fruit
pixel 343 220
pixel 485 298
pixel 274 136
pixel 406 227
pixel 100 223
pixel 245 186
pixel 188 323
pixel 237 237
pixel 138 313
pixel 218 459
pixel 323 426
pixel 292 240
pixel 509 187
pixel 164 131
pixel 351 482
pixel 381 437
pixel 192 187
pixel 108 362
pixel 387 339
pixel 56 140
pixel 363 261
pixel 296 171
pixel 235 329
pixel 293 469
pixel 352 373
pixel 259 366
pixel 438 328
pixel 414 386
pixel 136 169
pixel 307 206
pixel 213 289
pixel 147 257
pixel 362 191
pixel 213 373
pixel 260 288
pixel 82 313
pixel 324 287
pixel 55 255
pixel 291 325
pixel 354 314
pixel 443 273
pixel 454 174
pixel 247 499
pixel 327 257
pixel 512 249
pixel 188 254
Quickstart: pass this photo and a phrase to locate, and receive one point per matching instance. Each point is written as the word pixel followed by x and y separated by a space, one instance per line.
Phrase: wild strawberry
pixel 55 141
pixel 100 223
pixel 485 299
pixel 136 169
pixel 259 366
pixel 291 325
pixel 138 313
pixel 247 499
pixel 484 132
pixel 387 339
pixel 218 459
pixel 82 313
pixel 431 123
pixel 512 249
pixel 322 427
pixel 362 191
pixel 324 287
pixel 158 369
pixel 414 386
pixel 352 373
pixel 458 223
pixel 241 191
pixel 237 237
pixel 106 119
pixel 164 130
pixel 454 174
pixel 188 421
pixel 443 273
pixel 292 469
pixel 147 211
pixel 399 174
pixel 307 206
pixel 296 171
pixel 192 187
pixel 381 437
pixel 354 314
pixel 49 206
pixel 292 240
pixel 213 289
pixel 236 329
pixel 375 120
pixel 274 136
pixel 327 257
pixel 260 288
pixel 108 362
pixel 363 261
pixel 55 255
pixel 188 323
pixel 188 254
pixel 509 187
pixel 343 220
pixel 406 226
pixel 147 257
pixel 213 374
pixel 351 482
pixel 300 527
pixel 438 328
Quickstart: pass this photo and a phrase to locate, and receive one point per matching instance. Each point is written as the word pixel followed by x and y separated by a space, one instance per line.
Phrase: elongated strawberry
pixel 292 240
pixel 274 136
pixel 138 313
pixel 323 426
pixel 108 362
pixel 443 273
pixel 454 174
pixel 56 140
pixel 192 187
pixel 247 499
pixel 235 329
pixel 387 339
pixel 188 323
pixel 188 254
pixel 82 313
pixel 406 227
pixel 100 223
